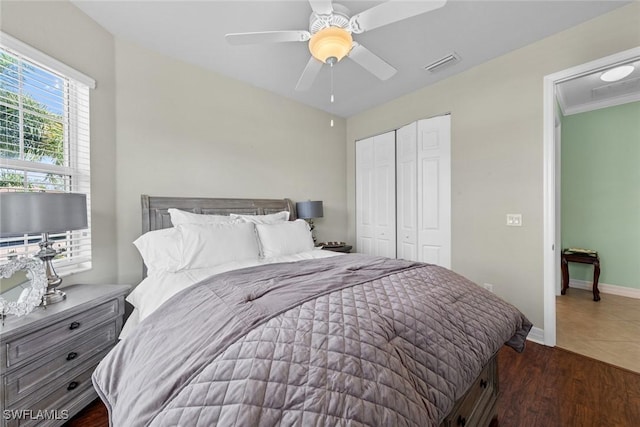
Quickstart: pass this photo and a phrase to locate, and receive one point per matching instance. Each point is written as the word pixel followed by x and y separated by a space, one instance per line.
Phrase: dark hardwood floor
pixel 94 415
pixel 553 387
pixel 542 387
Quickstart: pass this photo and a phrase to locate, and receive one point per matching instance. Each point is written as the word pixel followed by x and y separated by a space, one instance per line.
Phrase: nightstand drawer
pixel 64 390
pixel 30 378
pixel 51 337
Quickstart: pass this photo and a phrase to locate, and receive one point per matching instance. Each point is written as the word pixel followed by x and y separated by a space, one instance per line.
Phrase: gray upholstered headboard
pixel 155 215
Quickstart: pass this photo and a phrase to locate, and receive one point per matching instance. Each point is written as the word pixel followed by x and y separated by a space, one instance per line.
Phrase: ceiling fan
pixel 330 35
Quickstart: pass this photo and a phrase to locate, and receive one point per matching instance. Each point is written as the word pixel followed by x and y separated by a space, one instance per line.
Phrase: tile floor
pixel 608 330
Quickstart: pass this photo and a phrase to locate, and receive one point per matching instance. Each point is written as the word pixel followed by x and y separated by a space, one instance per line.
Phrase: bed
pixel 306 338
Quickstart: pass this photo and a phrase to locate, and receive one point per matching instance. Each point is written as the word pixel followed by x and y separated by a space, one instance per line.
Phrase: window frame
pixel 75 172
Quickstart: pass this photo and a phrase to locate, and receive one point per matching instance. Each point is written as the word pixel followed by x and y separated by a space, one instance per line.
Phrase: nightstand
pixel 337 247
pixel 48 356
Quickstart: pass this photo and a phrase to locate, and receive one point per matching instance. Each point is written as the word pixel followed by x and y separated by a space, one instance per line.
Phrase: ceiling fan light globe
pixel 330 42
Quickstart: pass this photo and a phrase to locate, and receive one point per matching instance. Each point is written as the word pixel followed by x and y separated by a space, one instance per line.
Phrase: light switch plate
pixel 514 220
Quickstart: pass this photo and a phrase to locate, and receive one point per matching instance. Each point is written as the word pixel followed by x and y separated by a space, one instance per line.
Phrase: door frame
pixel 551 180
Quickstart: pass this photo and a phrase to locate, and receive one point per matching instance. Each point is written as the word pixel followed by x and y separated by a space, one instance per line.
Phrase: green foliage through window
pixel 31 128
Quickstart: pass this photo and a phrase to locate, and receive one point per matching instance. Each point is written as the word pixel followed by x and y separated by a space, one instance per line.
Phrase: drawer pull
pixel 74 325
pixel 72 385
pixel 483 383
pixel 462 421
pixel 72 355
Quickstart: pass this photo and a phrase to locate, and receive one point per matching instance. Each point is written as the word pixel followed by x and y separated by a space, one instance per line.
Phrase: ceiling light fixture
pixel 330 42
pixel 618 73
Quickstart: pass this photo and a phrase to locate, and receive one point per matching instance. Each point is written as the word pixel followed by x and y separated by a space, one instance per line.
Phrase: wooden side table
pixel 582 258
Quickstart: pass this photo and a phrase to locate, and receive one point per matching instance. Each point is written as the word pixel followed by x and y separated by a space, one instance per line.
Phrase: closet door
pixel 434 190
pixel 365 228
pixel 375 195
pixel 406 192
pixel 384 158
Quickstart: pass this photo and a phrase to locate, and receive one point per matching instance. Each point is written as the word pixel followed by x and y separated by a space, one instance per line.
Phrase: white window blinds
pixel 44 142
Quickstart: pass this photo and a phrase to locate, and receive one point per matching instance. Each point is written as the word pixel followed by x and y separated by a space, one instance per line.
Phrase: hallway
pixel 608 330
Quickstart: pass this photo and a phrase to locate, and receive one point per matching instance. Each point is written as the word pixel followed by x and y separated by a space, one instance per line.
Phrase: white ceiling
pixel 477 31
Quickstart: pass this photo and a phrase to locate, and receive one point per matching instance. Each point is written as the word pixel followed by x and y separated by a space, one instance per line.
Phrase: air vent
pixel 445 61
pixel 622 87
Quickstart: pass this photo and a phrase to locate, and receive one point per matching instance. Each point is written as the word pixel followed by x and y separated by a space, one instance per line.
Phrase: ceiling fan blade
pixel 390 12
pixel 268 37
pixel 371 62
pixel 309 74
pixel 321 7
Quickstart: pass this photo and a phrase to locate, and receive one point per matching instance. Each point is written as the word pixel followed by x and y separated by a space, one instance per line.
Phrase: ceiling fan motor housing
pixel 338 18
pixel 331 38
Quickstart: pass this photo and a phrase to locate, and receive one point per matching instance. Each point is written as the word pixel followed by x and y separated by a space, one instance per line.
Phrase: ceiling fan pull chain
pixel 331 66
pixel 331 99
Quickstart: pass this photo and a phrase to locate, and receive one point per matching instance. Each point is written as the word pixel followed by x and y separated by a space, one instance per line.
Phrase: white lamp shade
pixel 34 213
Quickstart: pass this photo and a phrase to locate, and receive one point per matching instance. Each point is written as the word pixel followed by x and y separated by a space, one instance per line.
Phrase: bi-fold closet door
pixel 424 191
pixel 413 190
pixel 375 195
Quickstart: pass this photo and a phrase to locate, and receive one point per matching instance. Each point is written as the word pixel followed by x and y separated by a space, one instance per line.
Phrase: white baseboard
pixel 606 289
pixel 536 335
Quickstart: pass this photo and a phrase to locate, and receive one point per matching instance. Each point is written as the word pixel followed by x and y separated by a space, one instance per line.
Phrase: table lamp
pixel 24 213
pixel 309 210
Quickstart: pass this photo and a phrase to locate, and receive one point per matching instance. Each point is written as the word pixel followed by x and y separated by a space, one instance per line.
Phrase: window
pixel 44 141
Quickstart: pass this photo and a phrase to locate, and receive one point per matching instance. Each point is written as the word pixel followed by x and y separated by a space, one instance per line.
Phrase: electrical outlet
pixel 488 286
pixel 514 220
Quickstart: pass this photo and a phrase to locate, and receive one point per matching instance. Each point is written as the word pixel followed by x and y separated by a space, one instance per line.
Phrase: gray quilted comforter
pixel 348 340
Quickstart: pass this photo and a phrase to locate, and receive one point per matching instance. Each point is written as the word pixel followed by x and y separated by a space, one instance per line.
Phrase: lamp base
pixel 311 228
pixel 53 296
pixel 46 254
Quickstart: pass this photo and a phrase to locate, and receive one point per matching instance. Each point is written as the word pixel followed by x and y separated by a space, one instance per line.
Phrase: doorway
pixel 551 185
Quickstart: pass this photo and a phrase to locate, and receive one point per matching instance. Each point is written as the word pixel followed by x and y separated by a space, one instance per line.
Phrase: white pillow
pixel 161 250
pixel 263 219
pixel 180 217
pixel 284 238
pixel 205 246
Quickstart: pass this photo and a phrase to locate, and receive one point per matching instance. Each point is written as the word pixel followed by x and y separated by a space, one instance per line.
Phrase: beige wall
pixel 60 30
pixel 183 130
pixel 497 152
